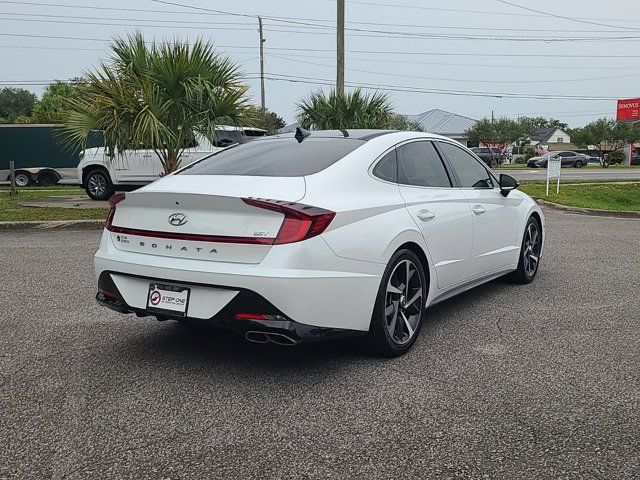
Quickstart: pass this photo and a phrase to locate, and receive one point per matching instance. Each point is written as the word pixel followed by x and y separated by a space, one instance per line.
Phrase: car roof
pixel 369 134
pixel 353 133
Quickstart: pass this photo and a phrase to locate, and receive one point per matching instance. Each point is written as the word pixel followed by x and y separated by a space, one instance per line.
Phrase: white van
pixel 101 176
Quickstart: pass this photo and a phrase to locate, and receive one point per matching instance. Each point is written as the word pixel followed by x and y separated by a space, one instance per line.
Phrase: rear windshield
pixel 275 157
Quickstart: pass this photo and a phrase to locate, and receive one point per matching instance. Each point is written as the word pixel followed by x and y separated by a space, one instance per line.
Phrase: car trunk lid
pixel 203 217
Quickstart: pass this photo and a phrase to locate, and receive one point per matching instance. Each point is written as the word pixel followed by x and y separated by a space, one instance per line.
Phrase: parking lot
pixel 538 381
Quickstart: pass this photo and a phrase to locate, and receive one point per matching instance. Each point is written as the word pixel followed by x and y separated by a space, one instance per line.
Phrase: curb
pixel 53 225
pixel 588 211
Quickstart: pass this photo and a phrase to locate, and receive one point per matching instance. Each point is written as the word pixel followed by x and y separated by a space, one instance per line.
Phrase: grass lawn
pixel 602 196
pixel 10 211
pixel 522 166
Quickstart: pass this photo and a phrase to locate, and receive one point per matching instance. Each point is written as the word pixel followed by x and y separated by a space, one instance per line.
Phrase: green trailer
pixel 39 154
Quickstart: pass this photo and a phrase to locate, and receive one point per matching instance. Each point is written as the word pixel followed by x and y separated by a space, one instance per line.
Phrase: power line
pixel 374 33
pixel 382 86
pixel 354 22
pixel 475 65
pixel 563 17
pixel 353 59
pixel 93 7
pixel 475 93
pixel 64 49
pixel 364 52
pixel 151 20
pixel 124 24
pixel 482 12
pixel 400 34
pixel 459 80
pixel 444 36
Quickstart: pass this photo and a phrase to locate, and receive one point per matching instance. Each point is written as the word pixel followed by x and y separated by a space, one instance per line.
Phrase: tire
pixel 396 319
pixel 47 178
pixel 578 164
pixel 22 179
pixel 98 185
pixel 529 253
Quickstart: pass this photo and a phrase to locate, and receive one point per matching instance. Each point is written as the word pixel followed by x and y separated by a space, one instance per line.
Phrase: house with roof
pixel 550 139
pixel 444 123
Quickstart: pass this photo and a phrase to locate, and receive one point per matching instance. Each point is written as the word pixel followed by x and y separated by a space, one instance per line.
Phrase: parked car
pixel 635 158
pixel 491 156
pixel 329 233
pixel 101 175
pixel 568 159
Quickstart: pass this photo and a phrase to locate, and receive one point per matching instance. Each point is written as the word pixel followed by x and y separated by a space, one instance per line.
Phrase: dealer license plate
pixel 169 299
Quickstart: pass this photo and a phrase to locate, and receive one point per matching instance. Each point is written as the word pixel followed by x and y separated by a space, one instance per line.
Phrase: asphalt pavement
pixel 528 382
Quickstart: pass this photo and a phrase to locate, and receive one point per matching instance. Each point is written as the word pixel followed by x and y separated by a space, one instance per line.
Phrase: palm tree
pixel 351 110
pixel 157 96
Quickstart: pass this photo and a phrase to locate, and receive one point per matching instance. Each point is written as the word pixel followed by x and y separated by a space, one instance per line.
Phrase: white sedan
pixel 296 238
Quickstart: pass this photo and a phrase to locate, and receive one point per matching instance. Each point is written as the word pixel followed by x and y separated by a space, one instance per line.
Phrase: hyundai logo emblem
pixel 178 219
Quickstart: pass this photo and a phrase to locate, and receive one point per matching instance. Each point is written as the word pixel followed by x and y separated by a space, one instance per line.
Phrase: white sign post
pixel 553 171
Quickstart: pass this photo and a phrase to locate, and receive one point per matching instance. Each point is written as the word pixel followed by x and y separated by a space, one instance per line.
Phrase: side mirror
pixel 507 183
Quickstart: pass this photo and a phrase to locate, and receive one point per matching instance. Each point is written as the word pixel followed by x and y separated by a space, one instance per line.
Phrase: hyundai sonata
pixel 294 238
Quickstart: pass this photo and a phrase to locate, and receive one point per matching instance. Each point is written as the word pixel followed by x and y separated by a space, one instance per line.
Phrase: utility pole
pixel 261 64
pixel 340 48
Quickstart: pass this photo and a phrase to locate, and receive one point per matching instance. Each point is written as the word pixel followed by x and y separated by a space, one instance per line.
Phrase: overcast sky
pixel 400 64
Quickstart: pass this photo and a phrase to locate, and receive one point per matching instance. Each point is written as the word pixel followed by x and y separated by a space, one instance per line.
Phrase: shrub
pixel 528 153
pixel 617 157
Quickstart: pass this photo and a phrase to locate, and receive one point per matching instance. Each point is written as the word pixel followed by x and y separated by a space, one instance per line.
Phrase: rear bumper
pixel 304 283
pixel 245 301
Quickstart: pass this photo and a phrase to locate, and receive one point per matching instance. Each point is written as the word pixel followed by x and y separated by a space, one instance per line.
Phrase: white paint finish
pixel 447 229
pixel 328 298
pixel 497 228
pixel 206 215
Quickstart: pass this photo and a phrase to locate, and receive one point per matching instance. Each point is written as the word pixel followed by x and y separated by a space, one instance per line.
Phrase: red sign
pixel 629 109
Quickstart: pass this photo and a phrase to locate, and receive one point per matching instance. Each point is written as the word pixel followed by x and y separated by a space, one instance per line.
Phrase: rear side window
pixel 275 157
pixel 225 138
pixel 470 172
pixel 387 168
pixel 419 164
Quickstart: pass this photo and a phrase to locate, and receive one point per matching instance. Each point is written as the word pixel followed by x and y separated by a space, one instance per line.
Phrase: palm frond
pixel 156 96
pixel 352 110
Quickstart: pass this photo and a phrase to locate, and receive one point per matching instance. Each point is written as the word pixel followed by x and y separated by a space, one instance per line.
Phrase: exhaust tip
pixel 269 337
pixel 256 337
pixel 281 339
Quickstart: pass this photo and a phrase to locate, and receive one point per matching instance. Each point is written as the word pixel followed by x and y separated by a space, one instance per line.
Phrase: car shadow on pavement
pixel 170 342
pixel 195 344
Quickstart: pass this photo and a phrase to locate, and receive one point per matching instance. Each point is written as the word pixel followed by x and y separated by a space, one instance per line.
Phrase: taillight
pixel 113 201
pixel 251 316
pixel 300 221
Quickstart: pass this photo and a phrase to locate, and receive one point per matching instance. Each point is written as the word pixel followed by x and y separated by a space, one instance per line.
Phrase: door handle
pixel 478 209
pixel 426 215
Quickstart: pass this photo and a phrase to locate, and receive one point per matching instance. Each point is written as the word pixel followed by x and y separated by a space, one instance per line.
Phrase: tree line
pixel 605 135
